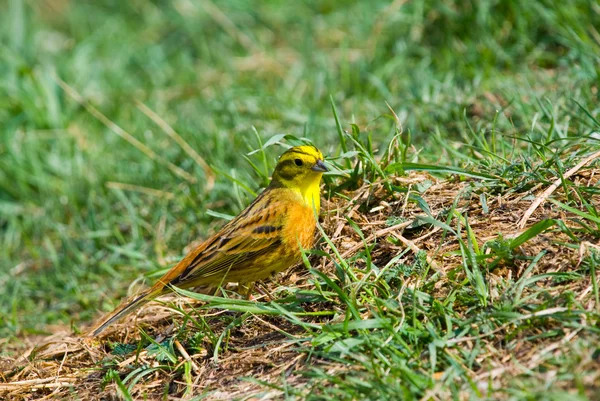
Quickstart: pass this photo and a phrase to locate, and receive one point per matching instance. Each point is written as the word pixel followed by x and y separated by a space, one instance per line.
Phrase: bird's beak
pixel 320 167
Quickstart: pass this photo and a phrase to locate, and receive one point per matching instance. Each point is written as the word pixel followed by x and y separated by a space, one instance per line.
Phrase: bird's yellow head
pixel 300 168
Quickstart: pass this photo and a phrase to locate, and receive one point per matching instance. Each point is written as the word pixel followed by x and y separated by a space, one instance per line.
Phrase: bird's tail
pixel 127 308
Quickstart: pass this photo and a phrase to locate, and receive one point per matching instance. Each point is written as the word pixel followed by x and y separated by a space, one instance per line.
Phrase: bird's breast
pixel 299 229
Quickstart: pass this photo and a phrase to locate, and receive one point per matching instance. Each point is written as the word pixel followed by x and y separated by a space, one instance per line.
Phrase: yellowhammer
pixel 265 238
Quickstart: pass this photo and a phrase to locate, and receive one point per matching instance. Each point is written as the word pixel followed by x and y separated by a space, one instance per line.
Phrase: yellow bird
pixel 265 238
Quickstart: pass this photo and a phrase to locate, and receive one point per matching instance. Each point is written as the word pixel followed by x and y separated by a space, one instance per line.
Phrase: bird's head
pixel 300 168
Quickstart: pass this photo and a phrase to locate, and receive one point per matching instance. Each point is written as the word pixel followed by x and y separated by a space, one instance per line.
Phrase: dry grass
pixel 67 366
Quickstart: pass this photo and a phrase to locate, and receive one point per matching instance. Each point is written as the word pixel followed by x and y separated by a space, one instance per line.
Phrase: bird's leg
pixel 263 291
pixel 245 289
pixel 206 289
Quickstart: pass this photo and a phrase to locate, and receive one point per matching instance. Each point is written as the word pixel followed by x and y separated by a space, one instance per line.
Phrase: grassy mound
pixel 458 257
pixel 423 287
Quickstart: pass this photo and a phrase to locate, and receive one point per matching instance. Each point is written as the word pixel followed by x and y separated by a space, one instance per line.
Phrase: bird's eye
pixel 298 162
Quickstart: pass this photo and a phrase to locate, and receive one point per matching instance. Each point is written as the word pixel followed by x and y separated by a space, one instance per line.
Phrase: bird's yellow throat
pixel 311 192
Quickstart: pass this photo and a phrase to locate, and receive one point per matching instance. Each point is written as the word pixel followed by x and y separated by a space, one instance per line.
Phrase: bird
pixel 267 237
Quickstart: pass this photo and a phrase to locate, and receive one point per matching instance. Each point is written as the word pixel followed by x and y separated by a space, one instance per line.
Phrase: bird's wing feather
pixel 225 262
pixel 255 232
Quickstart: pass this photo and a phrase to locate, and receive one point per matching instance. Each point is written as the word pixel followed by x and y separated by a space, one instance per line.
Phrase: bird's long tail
pixel 127 308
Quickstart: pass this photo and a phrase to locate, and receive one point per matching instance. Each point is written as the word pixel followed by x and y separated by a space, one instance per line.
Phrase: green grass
pixel 503 92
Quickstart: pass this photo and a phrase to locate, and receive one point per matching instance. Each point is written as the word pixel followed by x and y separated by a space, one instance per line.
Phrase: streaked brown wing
pixel 238 244
pixel 225 265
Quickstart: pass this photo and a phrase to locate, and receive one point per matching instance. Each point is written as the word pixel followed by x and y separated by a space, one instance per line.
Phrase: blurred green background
pixel 78 218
